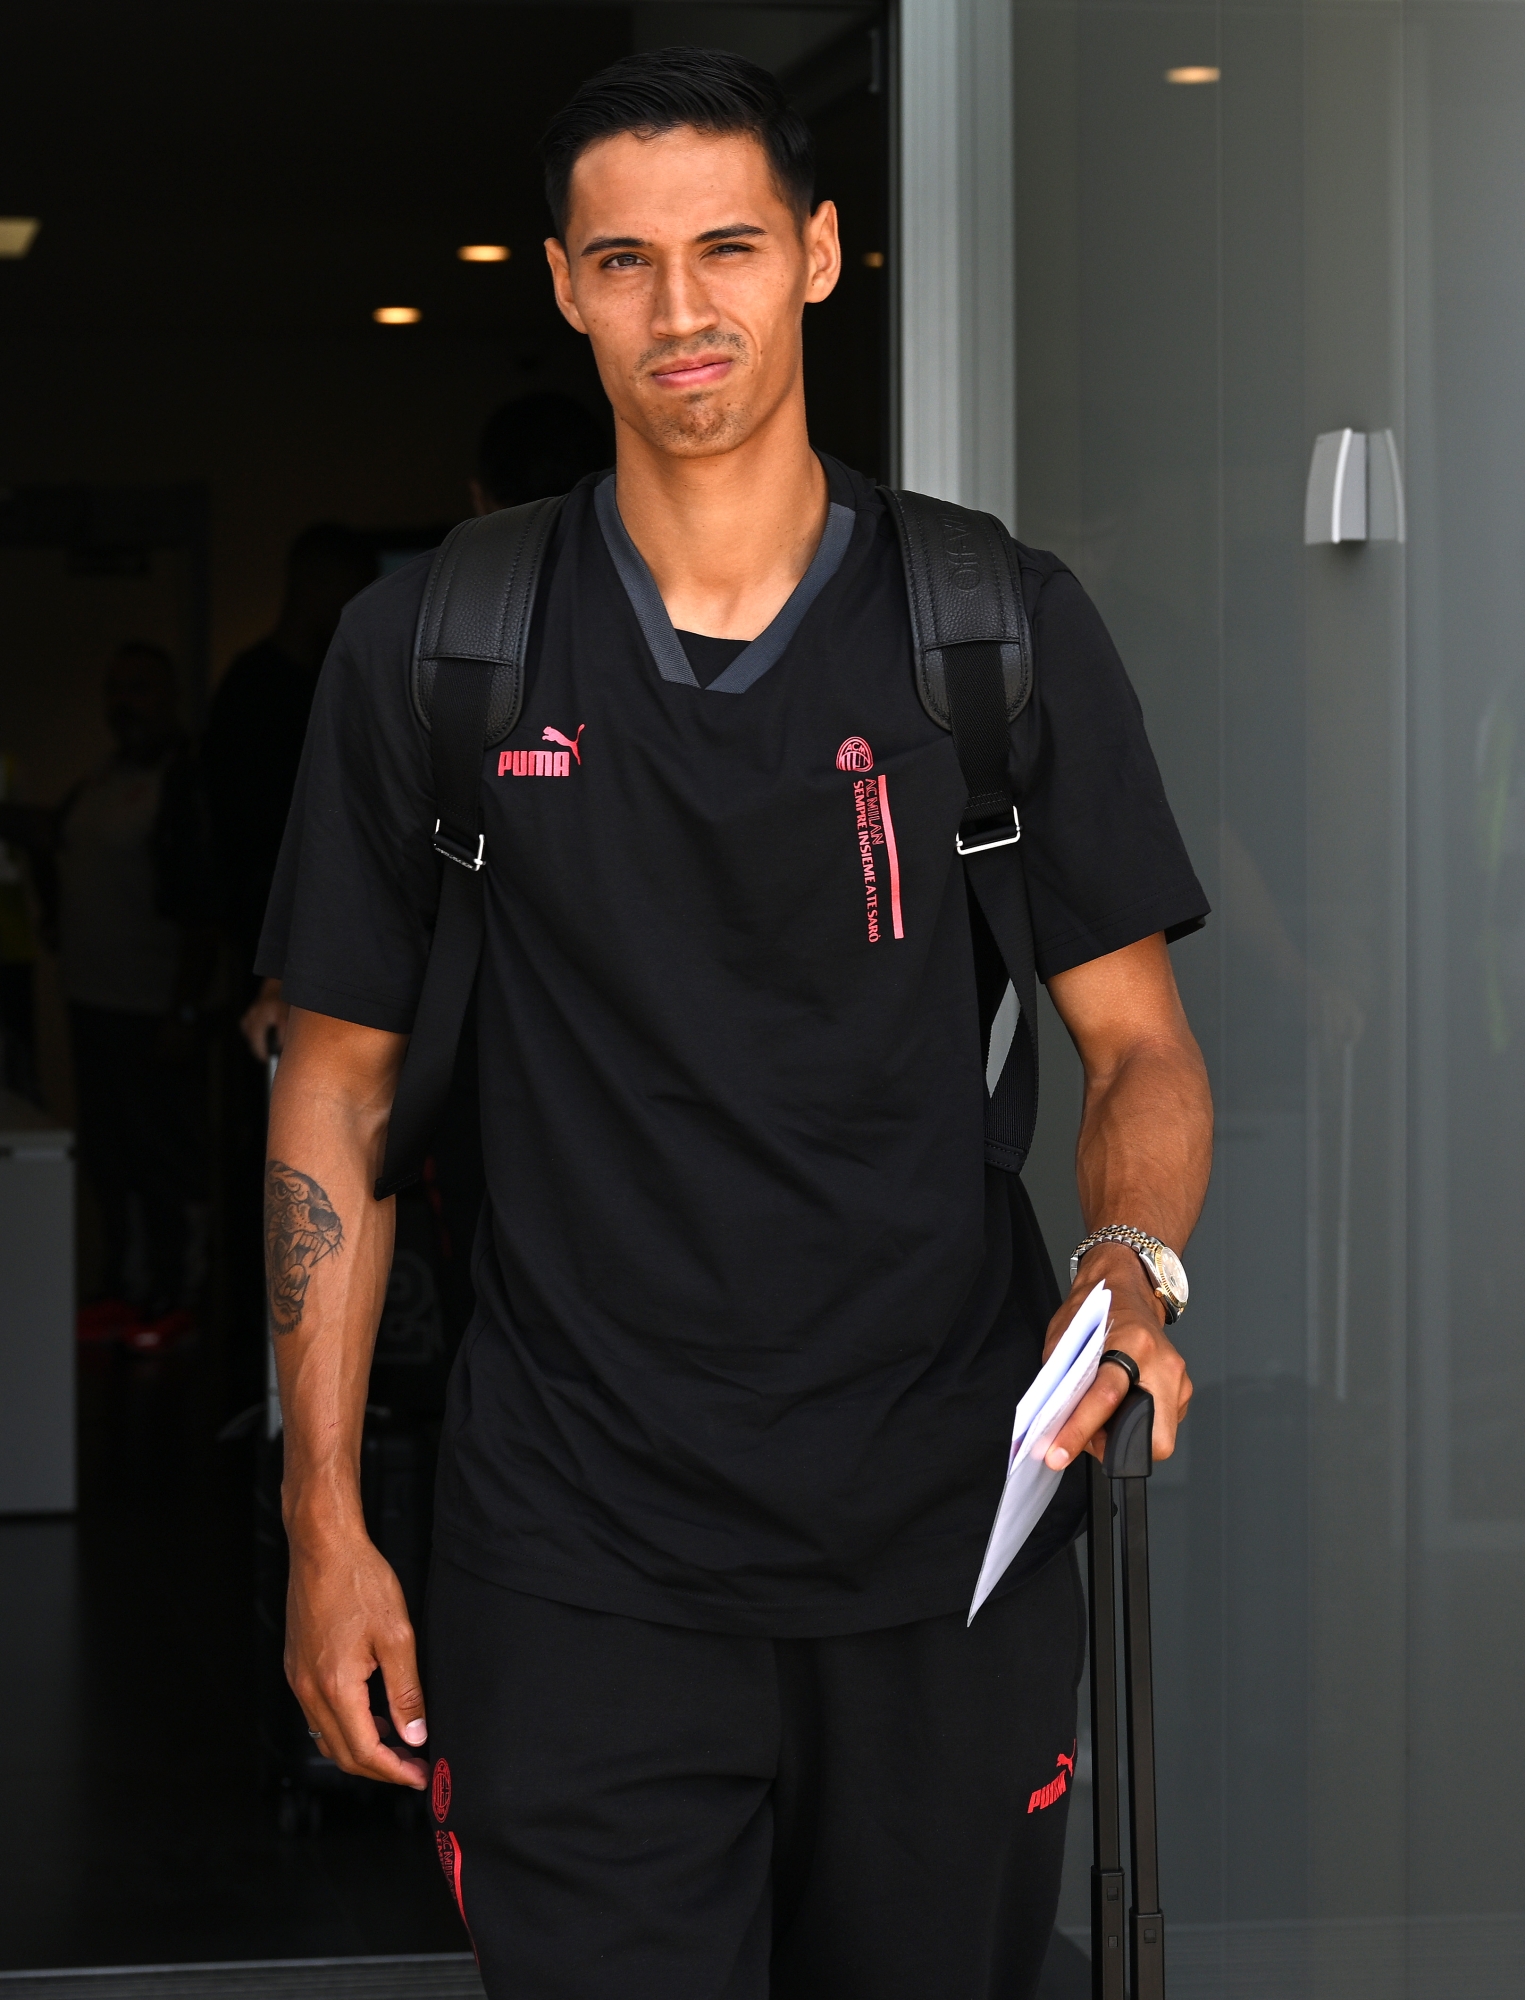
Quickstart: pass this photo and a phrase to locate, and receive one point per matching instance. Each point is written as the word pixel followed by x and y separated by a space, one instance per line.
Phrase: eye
pixel 722 249
pixel 622 260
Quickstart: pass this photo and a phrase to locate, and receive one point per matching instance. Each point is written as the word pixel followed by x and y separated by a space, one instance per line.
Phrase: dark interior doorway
pixel 226 197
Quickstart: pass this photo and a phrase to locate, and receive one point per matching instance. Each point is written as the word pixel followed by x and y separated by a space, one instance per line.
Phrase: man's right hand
pixel 345 1617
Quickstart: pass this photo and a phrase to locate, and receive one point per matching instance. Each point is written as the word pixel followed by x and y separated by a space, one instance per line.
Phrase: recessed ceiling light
pixel 1194 73
pixel 874 259
pixel 397 315
pixel 16 233
pixel 484 253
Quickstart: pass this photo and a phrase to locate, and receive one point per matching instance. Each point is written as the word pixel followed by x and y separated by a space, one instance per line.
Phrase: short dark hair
pixel 540 444
pixel 661 89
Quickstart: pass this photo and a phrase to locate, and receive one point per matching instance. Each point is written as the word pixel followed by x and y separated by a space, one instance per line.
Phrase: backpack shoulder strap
pixel 964 584
pixel 477 606
pixel 973 656
pixel 972 646
pixel 468 685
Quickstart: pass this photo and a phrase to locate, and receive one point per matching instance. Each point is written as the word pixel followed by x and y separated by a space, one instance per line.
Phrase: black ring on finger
pixel 1124 1361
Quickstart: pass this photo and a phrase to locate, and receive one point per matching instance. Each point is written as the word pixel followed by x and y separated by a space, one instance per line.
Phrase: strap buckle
pixel 989 837
pixel 461 856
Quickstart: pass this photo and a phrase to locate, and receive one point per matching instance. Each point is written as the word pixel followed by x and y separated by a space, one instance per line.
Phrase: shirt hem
pixel 1079 947
pixel 341 1003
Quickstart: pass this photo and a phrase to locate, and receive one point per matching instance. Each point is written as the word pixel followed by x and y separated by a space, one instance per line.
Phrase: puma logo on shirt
pixel 543 763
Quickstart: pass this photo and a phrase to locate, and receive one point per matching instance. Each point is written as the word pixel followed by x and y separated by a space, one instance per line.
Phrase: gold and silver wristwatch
pixel 1167 1274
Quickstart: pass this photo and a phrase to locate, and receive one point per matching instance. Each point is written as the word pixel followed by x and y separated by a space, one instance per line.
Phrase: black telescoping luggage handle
pixel 1128 1462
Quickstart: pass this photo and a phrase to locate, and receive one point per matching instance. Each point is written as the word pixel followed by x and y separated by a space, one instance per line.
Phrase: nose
pixel 681 307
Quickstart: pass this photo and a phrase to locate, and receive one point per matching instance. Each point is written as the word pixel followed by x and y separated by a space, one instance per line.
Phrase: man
pixel 729 1429
pixel 124 862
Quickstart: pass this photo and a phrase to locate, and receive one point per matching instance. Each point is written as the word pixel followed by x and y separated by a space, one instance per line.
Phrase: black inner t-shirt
pixel 752 1313
pixel 709 657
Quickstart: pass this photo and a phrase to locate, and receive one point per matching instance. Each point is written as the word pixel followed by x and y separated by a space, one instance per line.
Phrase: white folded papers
pixel 1047 1407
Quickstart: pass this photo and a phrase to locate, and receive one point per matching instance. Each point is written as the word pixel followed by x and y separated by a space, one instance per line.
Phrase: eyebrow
pixel 601 243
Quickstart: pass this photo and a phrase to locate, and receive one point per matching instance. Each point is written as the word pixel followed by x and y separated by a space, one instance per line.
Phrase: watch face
pixel 1172 1274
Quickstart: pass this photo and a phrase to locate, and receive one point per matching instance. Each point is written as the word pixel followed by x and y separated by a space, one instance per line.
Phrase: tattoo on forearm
pixel 302 1227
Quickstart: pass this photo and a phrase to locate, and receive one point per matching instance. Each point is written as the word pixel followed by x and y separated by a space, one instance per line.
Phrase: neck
pixel 726 537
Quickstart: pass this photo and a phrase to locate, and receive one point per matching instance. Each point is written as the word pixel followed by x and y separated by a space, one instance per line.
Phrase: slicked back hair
pixel 663 89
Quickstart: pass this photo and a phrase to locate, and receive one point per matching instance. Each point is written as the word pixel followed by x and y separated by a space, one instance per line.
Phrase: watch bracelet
pixel 1144 1246
pixel 1136 1240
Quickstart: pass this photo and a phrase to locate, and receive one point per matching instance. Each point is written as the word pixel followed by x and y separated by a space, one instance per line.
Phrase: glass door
pixel 1242 227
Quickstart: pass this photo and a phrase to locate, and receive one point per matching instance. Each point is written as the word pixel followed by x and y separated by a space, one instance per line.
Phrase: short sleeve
pixel 352 906
pixel 1105 862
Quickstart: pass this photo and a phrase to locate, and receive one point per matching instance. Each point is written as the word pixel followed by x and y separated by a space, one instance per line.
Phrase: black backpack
pixel 974 674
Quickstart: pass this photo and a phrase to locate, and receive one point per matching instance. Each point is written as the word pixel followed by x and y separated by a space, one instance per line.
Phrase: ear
pixel 823 253
pixel 561 283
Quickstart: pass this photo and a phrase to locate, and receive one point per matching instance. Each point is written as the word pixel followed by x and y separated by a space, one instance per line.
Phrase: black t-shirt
pixel 753 1315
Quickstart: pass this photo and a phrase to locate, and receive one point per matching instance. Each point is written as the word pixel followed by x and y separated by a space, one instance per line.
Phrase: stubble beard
pixel 701 427
pixel 705 421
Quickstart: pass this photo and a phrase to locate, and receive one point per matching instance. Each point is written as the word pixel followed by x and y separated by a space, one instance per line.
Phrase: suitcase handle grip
pixel 1130 1438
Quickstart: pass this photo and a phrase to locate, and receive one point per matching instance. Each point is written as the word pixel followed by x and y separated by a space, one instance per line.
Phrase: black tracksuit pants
pixel 630 1811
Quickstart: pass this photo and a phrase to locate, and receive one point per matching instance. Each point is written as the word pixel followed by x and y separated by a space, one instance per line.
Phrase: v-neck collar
pixel 754 661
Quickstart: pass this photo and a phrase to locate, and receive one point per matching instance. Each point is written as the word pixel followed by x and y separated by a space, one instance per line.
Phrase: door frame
pixel 953 188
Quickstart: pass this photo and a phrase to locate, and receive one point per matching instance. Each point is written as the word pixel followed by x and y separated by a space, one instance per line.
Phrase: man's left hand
pixel 1137 1327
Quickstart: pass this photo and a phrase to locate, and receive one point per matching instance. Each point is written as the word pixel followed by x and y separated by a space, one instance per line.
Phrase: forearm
pixel 328 1247
pixel 1145 1146
pixel 1142 1160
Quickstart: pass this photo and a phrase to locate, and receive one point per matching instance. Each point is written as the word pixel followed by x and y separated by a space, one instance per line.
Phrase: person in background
pixel 123 863
pixel 254 741
pixel 18 959
pixel 536 445
pixel 250 754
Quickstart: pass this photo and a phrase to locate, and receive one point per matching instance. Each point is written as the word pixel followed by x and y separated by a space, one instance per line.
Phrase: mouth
pixel 702 373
